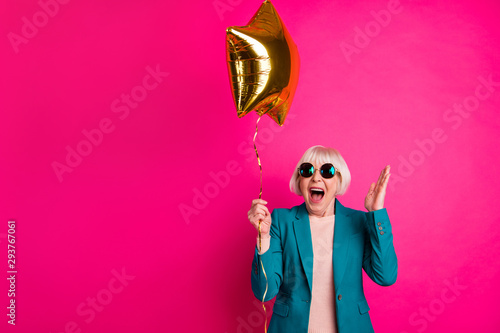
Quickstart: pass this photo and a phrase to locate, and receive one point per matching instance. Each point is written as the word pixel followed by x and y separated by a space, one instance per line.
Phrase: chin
pixel 319 208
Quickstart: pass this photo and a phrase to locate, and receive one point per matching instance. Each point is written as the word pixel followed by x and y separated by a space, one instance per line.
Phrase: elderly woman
pixel 313 253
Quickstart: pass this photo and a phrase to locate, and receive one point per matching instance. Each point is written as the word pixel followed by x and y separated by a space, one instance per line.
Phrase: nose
pixel 316 177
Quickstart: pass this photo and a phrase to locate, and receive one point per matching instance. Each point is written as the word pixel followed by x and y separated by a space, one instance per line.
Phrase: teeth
pixel 317 190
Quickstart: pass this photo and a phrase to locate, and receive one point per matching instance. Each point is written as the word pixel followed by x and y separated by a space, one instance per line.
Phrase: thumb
pixel 372 188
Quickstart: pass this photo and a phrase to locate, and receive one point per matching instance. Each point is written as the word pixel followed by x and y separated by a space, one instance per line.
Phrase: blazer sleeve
pixel 272 261
pixel 379 258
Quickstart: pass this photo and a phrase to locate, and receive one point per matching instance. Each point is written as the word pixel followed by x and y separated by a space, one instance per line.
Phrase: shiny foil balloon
pixel 263 64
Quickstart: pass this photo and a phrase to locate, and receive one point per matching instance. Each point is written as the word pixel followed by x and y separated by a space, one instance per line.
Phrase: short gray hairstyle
pixel 321 155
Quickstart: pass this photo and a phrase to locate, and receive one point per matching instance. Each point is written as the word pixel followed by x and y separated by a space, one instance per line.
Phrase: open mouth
pixel 317 194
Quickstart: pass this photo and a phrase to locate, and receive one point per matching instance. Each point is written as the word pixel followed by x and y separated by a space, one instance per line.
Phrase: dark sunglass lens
pixel 306 170
pixel 327 170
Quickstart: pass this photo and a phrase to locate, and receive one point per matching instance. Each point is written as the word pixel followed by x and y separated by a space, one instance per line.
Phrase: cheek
pixel 332 187
pixel 303 186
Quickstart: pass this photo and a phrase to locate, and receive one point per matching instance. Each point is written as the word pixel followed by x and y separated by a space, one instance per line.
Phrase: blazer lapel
pixel 340 243
pixel 302 230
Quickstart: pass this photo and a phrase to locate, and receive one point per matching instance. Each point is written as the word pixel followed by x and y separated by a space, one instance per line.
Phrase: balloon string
pixel 260 238
pixel 257 153
pixel 260 166
pixel 263 297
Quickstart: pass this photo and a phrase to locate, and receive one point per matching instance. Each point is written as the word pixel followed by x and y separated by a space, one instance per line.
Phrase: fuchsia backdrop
pixel 146 230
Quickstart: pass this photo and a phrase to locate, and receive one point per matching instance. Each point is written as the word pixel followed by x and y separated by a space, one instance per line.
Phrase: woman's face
pixel 318 192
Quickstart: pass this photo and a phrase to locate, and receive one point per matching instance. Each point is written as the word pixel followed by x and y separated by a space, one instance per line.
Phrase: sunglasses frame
pixel 319 169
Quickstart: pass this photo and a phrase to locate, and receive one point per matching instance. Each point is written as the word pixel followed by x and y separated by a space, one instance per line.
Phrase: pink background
pixel 119 210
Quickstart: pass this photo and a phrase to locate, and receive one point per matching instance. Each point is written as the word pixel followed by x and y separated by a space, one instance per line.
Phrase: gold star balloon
pixel 263 64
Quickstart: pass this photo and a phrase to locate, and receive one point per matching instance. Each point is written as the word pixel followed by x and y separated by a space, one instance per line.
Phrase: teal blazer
pixel 361 240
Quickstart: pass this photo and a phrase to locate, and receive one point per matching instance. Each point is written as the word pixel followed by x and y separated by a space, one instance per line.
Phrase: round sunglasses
pixel 326 171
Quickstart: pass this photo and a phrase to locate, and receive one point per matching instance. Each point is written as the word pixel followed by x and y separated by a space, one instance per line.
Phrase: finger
pixel 264 227
pixel 383 189
pixel 386 178
pixel 386 181
pixel 385 171
pixel 256 218
pixel 380 178
pixel 259 201
pixel 383 174
pixel 256 207
pixel 259 209
pixel 371 189
pixel 251 213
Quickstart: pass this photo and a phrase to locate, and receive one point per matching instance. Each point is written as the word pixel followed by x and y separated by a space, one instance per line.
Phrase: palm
pixel 376 194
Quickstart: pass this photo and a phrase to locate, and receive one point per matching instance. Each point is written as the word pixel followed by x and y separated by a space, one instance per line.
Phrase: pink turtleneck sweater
pixel 322 317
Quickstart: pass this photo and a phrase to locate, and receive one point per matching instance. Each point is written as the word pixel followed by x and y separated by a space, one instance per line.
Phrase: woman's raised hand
pixel 259 212
pixel 376 194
